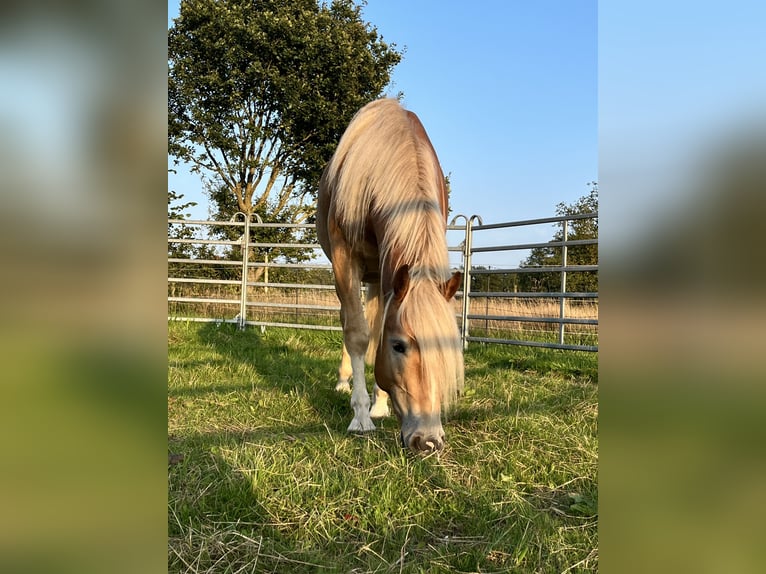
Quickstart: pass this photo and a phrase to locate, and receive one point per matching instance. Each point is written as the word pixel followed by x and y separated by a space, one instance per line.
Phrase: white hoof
pixel 343 387
pixel 361 426
pixel 380 410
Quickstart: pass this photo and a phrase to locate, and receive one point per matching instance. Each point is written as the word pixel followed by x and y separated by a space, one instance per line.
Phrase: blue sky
pixel 507 92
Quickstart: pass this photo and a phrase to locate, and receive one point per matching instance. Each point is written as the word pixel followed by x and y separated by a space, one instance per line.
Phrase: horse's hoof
pixel 343 387
pixel 379 411
pixel 361 426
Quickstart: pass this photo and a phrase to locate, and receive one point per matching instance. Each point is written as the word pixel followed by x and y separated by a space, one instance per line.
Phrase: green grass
pixel 263 476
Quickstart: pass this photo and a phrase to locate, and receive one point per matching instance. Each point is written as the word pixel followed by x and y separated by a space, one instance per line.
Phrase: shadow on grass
pixel 250 359
pixel 268 479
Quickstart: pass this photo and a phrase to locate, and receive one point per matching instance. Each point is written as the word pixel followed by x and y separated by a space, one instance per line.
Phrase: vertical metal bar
pixel 562 300
pixel 247 262
pixel 245 256
pixel 466 279
pixel 467 245
pixel 266 273
pixel 467 248
pixel 486 306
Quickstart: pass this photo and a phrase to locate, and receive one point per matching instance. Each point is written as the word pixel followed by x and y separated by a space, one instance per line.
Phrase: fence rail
pixel 248 297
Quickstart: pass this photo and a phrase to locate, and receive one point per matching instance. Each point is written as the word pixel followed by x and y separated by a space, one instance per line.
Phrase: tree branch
pixel 269 185
pixel 217 167
pixel 255 158
pixel 285 194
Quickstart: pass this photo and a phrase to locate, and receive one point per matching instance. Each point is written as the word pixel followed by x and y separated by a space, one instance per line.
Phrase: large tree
pixel 259 92
pixel 586 281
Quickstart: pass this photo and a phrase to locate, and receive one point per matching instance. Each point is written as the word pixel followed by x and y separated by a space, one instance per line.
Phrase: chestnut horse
pixel 381 220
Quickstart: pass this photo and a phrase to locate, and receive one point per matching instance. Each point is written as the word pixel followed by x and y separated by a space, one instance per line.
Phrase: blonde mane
pixel 385 170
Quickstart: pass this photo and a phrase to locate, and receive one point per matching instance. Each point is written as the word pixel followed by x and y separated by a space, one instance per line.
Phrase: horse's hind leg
pixel 379 403
pixel 373 311
pixel 344 372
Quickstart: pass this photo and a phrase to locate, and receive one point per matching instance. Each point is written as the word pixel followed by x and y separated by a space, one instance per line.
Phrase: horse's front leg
pixel 355 339
pixel 379 396
pixel 360 398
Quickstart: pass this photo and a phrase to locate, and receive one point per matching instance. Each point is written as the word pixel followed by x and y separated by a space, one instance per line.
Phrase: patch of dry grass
pixel 284 305
pixel 265 477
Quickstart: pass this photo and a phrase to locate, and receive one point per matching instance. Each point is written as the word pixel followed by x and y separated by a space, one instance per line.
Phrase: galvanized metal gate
pixel 469 228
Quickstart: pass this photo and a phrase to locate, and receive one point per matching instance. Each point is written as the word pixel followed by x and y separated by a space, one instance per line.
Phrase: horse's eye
pixel 399 347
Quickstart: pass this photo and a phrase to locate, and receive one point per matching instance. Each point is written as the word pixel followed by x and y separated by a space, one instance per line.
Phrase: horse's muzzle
pixel 420 442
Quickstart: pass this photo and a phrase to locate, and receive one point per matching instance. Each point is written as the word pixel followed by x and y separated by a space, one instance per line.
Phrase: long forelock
pixel 429 319
pixel 417 239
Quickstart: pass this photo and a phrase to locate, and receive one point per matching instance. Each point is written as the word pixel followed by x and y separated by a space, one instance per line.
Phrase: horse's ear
pixel 401 282
pixel 450 287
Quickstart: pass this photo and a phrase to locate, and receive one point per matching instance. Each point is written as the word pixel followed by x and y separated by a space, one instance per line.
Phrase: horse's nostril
pixel 426 444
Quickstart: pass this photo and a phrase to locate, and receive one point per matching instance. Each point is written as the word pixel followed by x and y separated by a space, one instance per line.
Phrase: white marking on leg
pixel 343 387
pixel 344 372
pixel 360 399
pixel 380 403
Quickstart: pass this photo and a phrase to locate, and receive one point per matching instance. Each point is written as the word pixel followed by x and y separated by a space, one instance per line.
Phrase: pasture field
pixel 263 477
pixel 283 306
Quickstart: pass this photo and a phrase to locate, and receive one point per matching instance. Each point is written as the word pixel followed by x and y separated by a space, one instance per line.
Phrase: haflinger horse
pixel 381 220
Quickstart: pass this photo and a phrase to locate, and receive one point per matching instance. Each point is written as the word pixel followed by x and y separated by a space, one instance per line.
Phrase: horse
pixel 381 220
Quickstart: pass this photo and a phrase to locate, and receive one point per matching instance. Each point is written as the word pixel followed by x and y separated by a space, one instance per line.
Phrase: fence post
pixel 466 281
pixel 266 273
pixel 467 247
pixel 245 266
pixel 242 317
pixel 562 299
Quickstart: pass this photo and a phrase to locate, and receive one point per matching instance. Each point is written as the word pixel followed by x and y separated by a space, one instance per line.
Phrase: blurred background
pixel 682 174
pixel 83 333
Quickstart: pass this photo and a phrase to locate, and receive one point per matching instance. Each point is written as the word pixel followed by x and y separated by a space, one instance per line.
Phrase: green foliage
pixel 176 231
pixel 260 92
pixel 494 282
pixel 176 210
pixel 289 214
pixel 576 255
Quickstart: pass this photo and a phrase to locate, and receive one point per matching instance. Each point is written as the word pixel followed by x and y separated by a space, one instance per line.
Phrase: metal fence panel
pixel 243 296
pixel 583 339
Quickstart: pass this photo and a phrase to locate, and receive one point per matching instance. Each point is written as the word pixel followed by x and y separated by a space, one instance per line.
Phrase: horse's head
pixel 419 362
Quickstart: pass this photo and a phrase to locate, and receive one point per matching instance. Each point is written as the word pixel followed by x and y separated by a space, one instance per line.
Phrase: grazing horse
pixel 381 220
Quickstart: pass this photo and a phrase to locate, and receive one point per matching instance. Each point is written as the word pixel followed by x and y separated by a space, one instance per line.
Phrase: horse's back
pixel 383 159
pixel 370 125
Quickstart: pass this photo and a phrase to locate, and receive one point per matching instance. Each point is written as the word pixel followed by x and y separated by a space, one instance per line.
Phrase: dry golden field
pixel 319 307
